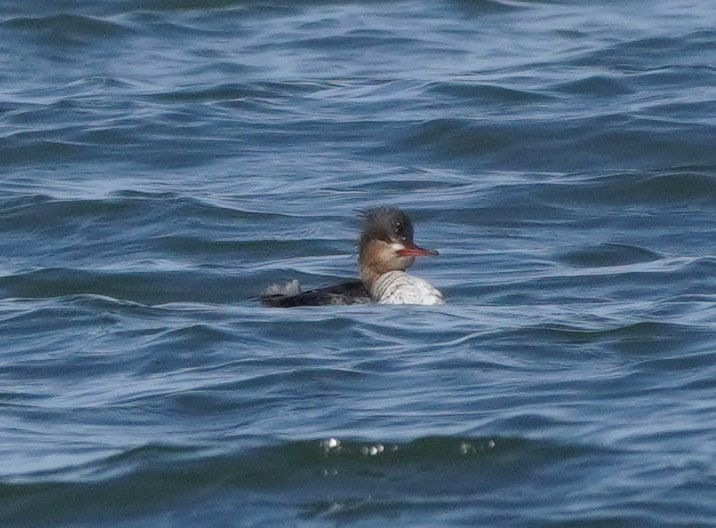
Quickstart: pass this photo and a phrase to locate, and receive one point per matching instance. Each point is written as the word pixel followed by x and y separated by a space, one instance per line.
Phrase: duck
pixel 386 249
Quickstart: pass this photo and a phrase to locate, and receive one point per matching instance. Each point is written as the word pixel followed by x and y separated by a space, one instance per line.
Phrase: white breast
pixel 397 287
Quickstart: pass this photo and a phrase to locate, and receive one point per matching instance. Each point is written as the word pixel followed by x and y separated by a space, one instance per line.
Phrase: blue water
pixel 163 161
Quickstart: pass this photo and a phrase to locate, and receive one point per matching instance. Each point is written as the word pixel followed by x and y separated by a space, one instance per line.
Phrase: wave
pixel 69 25
pixel 281 462
pixel 486 93
pixel 582 142
pixel 608 254
pixel 329 479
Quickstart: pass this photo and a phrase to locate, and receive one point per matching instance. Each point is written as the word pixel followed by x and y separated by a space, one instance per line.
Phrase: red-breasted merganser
pixel 385 250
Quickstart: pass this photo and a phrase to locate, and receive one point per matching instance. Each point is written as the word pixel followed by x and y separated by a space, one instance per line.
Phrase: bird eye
pixel 400 230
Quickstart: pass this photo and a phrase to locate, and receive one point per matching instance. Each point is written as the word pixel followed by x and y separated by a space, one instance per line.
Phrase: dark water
pixel 162 161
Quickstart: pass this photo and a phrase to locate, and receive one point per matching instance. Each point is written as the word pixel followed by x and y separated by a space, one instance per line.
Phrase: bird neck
pixel 368 275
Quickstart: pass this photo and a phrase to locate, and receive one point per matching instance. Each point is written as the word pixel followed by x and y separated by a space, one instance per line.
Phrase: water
pixel 164 161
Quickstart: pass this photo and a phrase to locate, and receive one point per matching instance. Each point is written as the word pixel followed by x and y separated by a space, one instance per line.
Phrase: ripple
pixel 331 478
pixel 487 93
pixel 186 5
pixel 163 161
pixel 236 91
pixel 608 255
pixel 597 85
pixel 667 187
pixel 156 287
pixel 69 25
pixel 455 137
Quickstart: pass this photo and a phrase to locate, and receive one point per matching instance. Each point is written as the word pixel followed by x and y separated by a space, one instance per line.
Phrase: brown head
pixel 386 242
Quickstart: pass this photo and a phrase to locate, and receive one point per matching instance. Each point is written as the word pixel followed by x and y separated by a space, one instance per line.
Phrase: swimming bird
pixel 385 250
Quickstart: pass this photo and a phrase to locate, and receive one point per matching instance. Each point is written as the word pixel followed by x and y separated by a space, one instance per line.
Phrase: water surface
pixel 164 161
